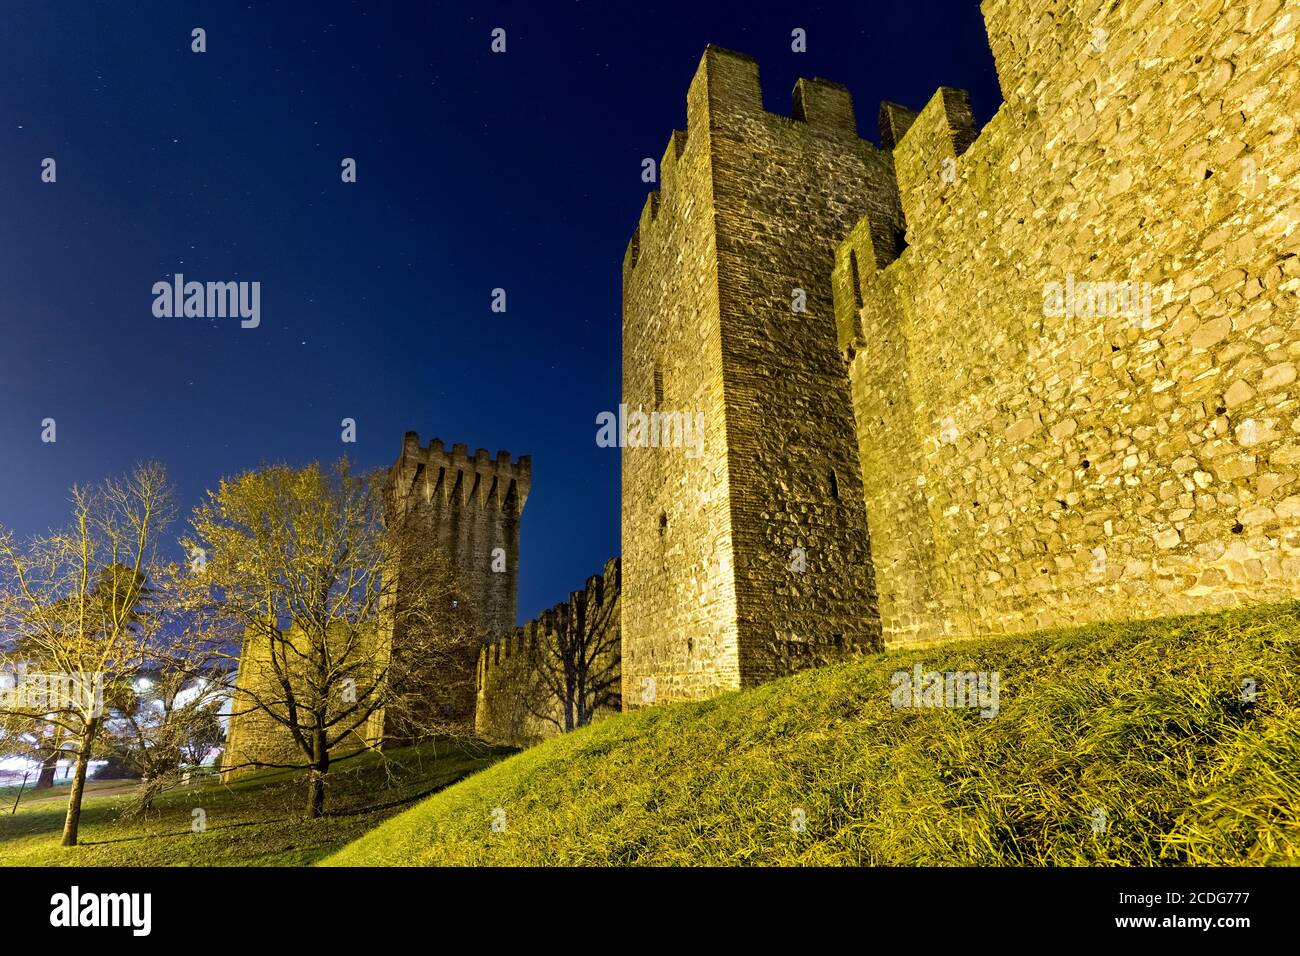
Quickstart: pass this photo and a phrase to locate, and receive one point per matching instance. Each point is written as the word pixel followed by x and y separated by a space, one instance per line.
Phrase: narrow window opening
pixel 835 485
pixel 659 387
pixel 857 279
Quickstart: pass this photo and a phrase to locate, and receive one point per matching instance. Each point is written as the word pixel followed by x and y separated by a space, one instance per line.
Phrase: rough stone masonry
pixel 1046 370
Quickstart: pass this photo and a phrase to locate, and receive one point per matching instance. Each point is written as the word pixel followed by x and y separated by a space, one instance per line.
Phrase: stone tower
pixel 473 505
pixel 748 559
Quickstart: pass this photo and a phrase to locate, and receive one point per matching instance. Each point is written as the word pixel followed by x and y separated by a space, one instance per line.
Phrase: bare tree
pixel 298 566
pixel 577 659
pixel 75 614
pixel 167 722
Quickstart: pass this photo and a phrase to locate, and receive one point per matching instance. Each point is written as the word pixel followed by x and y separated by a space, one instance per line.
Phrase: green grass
pixel 1145 721
pixel 255 821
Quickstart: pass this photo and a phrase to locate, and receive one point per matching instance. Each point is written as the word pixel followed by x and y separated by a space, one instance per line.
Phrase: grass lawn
pixel 1122 744
pixel 255 821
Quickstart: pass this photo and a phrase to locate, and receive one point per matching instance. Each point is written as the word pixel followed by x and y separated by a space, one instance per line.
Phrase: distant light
pixel 143 684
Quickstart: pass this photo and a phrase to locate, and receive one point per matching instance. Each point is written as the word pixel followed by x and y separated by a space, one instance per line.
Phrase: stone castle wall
pixel 918 423
pixel 1025 469
pixel 520 673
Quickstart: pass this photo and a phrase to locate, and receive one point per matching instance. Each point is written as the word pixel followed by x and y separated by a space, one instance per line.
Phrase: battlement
pixel 725 99
pixel 503 646
pixel 471 506
pixel 523 677
pixel 926 148
pixel 894 121
pixel 479 481
pixel 726 90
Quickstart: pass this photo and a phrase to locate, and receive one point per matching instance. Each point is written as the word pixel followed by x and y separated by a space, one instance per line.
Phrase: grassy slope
pixel 255 821
pixel 1143 720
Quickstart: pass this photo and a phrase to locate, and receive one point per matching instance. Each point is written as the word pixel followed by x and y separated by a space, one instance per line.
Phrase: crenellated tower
pixel 748 558
pixel 473 505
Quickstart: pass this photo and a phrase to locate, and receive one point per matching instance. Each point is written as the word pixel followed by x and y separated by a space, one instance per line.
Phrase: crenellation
pixel 894 121
pixel 825 106
pixel 481 480
pixel 649 211
pixel 725 87
pixel 672 153
pixel 926 158
pixel 870 245
pixel 472 506
pixel 521 670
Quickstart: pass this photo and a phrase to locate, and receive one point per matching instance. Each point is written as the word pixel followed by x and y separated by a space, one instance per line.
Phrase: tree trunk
pixel 150 787
pixel 49 767
pixel 316 776
pixel 73 820
pixel 315 793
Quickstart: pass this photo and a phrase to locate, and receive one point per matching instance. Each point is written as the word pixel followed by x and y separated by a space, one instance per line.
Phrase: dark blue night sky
pixel 475 171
